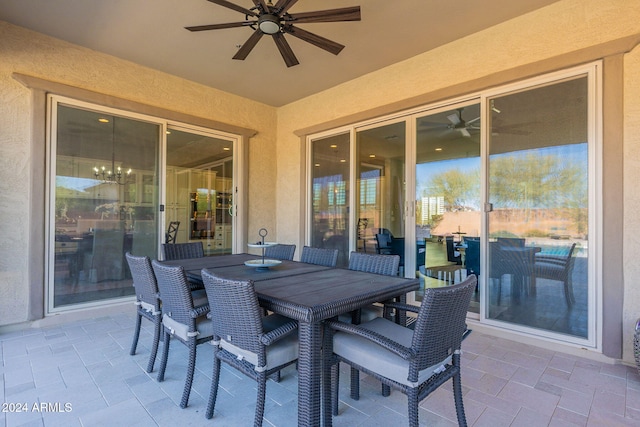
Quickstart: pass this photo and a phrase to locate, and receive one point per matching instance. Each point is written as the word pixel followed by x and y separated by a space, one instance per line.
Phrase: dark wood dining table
pixel 309 294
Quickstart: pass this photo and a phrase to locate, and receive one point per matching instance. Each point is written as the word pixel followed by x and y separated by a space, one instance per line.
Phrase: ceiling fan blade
pixel 262 5
pixel 248 46
pixel 465 132
pixel 285 50
pixel 229 5
pixel 283 5
pixel 220 26
pixel 468 122
pixel 331 15
pixel 314 39
pixel 453 118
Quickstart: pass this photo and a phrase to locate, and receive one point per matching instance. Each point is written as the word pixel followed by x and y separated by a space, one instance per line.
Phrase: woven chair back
pixel 175 293
pixel 378 264
pixel 319 256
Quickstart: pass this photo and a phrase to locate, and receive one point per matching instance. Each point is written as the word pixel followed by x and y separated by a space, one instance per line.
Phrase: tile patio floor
pixel 86 364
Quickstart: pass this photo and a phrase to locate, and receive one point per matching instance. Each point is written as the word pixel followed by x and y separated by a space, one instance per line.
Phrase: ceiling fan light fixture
pixel 269 24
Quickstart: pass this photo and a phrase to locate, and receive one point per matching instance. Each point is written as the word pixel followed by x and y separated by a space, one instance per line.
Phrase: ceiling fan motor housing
pixel 269 24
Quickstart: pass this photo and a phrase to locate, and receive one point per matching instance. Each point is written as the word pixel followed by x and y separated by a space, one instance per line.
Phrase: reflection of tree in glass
pixel 460 189
pixel 518 181
pixel 533 181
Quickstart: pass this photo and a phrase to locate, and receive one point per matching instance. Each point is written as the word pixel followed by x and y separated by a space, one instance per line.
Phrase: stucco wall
pixel 560 28
pixel 26 52
pixel 631 238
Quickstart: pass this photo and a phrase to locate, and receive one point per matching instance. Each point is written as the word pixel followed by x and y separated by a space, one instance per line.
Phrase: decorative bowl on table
pixel 262 263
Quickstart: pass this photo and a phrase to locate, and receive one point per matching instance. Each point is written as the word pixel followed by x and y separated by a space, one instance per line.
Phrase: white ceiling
pixel 151 33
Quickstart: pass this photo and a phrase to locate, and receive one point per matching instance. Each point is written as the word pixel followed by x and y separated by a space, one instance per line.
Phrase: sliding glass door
pixel 448 199
pixel 505 188
pixel 200 190
pixel 538 190
pixel 122 182
pixel 104 196
pixel 330 195
pixel 380 181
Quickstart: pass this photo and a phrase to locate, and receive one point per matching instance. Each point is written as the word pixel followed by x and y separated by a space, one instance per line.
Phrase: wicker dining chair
pixel 378 264
pixel 184 317
pixel 254 344
pixel 280 251
pixel 414 361
pixel 319 256
pixel 147 302
pixel 173 251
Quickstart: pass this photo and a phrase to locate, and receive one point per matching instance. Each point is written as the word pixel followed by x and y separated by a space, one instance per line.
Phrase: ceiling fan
pixel 460 125
pixel 265 18
pixel 456 124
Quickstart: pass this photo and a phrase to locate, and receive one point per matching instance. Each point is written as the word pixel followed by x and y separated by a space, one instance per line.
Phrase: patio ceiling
pixel 152 34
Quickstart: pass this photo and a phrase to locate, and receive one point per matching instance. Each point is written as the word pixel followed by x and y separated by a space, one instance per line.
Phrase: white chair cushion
pixel 379 360
pixel 279 353
pixel 180 330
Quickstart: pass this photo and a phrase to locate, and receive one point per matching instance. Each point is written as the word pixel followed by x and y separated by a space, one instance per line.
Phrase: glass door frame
pixel 53 101
pixel 593 72
pixel 239 186
pixel 238 204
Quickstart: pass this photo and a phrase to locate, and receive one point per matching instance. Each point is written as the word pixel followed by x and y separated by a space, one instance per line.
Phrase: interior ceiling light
pixel 333 146
pixel 226 148
pixel 343 160
pixel 438 149
pixel 103 120
pixel 372 156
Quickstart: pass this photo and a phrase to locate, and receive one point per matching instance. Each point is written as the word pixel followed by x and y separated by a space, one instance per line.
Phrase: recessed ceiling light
pixel 343 160
pixel 103 120
pixel 226 148
pixel 168 132
pixel 317 165
pixel 333 146
pixel 438 149
pixel 372 156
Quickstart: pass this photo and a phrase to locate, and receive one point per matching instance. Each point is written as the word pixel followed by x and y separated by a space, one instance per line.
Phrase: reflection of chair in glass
pixel 361 232
pixel 144 239
pixel 254 344
pixel 107 257
pixel 415 361
pixel 517 262
pixel 559 268
pixel 472 257
pixel 147 300
pixel 513 242
pixel 279 251
pixel 183 317
pixel 340 243
pixel 383 244
pixel 319 256
pixel 172 231
pixel 452 254
pixel 182 250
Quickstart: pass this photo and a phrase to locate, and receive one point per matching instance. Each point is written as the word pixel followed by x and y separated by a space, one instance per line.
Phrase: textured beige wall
pixel 631 238
pixel 560 28
pixel 41 56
